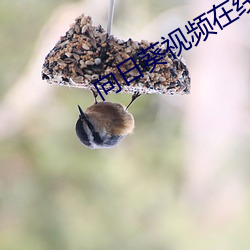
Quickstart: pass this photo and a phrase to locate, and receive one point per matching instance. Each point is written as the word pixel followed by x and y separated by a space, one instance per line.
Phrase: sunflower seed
pixel 85 46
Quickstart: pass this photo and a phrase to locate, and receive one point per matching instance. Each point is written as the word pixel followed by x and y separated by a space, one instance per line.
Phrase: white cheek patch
pixel 89 133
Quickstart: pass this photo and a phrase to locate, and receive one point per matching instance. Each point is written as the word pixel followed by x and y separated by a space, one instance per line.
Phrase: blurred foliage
pixel 20 23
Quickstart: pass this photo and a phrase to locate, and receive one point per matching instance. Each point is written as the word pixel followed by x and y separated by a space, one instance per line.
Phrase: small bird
pixel 104 124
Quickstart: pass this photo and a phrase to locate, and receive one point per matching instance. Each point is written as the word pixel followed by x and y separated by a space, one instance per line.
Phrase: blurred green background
pixel 180 182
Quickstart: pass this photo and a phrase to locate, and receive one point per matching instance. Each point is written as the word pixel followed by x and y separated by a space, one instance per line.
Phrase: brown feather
pixel 111 117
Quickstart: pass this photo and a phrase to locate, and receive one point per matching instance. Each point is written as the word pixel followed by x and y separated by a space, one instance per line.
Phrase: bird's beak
pixel 82 115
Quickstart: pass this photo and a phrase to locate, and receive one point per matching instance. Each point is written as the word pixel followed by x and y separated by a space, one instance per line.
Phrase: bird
pixel 104 124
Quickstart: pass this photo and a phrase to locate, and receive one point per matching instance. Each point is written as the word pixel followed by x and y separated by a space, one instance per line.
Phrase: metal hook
pixel 110 16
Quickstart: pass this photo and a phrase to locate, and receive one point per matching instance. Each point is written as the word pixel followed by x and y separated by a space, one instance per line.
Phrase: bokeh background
pixel 180 182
